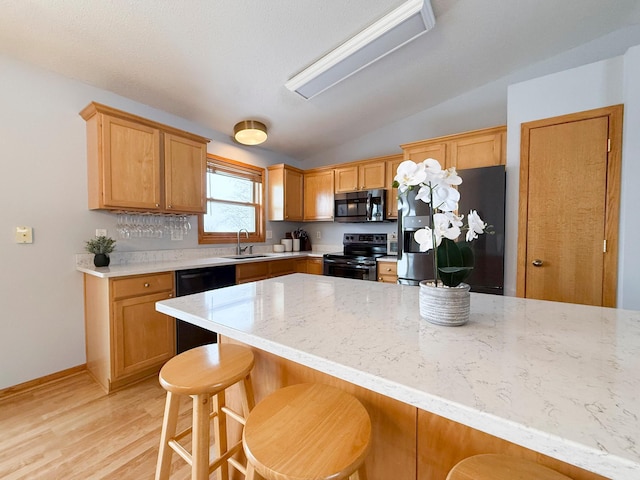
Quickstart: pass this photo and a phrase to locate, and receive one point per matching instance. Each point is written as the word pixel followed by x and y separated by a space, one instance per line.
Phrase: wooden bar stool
pixel 307 431
pixel 502 467
pixel 204 373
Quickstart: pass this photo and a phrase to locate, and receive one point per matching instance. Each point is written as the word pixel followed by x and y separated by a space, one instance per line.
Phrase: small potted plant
pixel 101 247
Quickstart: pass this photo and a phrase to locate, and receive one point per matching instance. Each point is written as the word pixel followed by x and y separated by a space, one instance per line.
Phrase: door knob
pixel 537 263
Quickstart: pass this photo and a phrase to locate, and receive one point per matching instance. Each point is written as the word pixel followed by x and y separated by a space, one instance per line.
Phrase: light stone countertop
pixel 167 265
pixel 557 378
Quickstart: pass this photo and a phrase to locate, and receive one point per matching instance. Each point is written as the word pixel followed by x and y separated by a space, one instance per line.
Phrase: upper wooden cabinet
pixel 285 187
pixel 360 176
pixel 318 194
pixel 140 165
pixel 478 148
pixel 392 162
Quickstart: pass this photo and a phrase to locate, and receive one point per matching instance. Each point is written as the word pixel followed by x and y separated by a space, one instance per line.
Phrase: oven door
pixel 347 269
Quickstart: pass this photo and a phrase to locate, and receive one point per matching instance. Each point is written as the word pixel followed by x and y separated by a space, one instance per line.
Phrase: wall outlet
pixel 269 234
pixel 101 232
pixel 318 234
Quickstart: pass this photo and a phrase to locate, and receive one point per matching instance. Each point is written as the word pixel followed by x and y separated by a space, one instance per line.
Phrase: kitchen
pixel 42 329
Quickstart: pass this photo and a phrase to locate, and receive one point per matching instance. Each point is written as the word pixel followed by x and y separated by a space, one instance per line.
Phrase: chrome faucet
pixel 239 250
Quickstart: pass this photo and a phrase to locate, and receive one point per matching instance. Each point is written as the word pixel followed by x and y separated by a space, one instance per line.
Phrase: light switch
pixel 24 235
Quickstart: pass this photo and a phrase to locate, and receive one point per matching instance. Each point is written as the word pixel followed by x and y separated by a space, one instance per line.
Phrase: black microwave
pixel 359 207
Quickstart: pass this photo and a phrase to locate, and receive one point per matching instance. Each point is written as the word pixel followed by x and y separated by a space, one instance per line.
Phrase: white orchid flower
pixel 451 177
pixel 476 225
pixel 444 228
pixel 445 197
pixel 455 219
pixel 409 174
pixel 424 237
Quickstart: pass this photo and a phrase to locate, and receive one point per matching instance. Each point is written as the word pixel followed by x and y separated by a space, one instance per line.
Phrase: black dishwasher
pixel 196 280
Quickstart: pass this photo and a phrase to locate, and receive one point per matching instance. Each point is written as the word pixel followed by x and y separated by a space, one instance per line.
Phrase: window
pixel 235 198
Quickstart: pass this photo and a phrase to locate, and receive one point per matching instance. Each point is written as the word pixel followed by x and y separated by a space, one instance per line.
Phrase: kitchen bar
pixel 557 378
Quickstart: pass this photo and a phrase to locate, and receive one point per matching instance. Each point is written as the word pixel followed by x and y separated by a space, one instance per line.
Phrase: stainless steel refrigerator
pixel 482 189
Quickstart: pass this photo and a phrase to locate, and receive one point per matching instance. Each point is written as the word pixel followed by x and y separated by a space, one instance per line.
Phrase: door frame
pixel 612 205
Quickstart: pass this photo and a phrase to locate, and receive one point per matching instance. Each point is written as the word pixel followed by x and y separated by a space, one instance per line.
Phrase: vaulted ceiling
pixel 216 62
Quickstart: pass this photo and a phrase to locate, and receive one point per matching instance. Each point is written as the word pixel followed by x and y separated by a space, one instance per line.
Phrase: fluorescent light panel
pixel 410 20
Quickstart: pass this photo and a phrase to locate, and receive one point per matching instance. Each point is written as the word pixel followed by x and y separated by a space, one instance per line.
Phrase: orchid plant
pixel 453 261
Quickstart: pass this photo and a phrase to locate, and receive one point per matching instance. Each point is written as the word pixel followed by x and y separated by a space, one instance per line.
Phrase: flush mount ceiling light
pixel 410 20
pixel 250 132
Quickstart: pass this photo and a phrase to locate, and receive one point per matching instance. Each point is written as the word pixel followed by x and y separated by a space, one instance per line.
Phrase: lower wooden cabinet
pixel 126 338
pixel 251 272
pixel 388 271
pixel 309 265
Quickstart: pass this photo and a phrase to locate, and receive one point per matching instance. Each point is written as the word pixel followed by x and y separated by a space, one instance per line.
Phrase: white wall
pixel 629 266
pixel 43 184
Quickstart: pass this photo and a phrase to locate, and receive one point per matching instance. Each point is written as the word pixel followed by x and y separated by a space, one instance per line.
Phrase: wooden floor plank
pixel 69 429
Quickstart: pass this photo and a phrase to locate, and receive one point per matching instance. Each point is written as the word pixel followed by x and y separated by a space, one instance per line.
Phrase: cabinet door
pixel 420 153
pixel 185 167
pixel 314 266
pixel 130 164
pixel 251 272
pixel 318 196
pixel 293 202
pixel 372 175
pixel 346 179
pixel 477 151
pixel 282 267
pixel 392 193
pixel 143 337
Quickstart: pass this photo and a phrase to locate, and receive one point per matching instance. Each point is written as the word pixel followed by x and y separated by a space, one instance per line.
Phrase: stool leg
pixel 248 401
pixel 169 425
pixel 360 474
pixel 220 429
pixel 200 438
pixel 251 472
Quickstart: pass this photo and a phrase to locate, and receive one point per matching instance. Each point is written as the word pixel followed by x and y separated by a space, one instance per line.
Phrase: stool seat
pixel 206 369
pixel 307 431
pixel 502 467
pixel 204 374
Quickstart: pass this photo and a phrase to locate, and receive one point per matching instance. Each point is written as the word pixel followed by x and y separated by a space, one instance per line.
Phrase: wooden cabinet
pixel 126 338
pixel 313 266
pixel 285 197
pixel 387 271
pixel 318 195
pixel 140 165
pixel 360 176
pixel 392 163
pixel 478 148
pixel 254 271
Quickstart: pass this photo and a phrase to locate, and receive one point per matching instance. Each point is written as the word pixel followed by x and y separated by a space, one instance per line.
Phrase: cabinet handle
pixel 146 285
pixel 537 263
pixel 170 206
pixel 388 269
pixel 157 204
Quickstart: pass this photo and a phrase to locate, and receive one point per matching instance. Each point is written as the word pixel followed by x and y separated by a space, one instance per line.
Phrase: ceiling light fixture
pixel 250 132
pixel 410 20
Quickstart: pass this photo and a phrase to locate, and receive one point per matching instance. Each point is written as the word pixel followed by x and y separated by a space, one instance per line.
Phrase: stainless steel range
pixel 358 258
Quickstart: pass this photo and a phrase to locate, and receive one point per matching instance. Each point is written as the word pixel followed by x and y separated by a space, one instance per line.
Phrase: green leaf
pixel 455 262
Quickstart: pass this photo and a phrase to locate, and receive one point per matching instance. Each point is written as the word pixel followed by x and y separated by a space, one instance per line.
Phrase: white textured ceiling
pixel 216 62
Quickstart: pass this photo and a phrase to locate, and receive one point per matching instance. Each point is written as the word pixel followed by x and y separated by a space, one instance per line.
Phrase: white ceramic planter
pixel 448 306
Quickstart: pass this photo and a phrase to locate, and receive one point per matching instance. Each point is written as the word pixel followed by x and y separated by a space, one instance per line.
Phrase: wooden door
pixel 569 194
pixel 185 167
pixel 131 168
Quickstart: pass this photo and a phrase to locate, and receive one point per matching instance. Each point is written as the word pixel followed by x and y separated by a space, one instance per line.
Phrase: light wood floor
pixel 70 429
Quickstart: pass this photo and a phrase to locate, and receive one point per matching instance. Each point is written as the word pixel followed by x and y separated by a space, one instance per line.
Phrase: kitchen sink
pixel 242 257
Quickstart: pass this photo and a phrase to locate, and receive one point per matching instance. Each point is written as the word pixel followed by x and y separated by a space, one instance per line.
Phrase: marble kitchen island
pixel 559 379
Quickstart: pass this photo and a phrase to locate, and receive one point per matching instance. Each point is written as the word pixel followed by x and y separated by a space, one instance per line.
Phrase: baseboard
pixel 23 387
